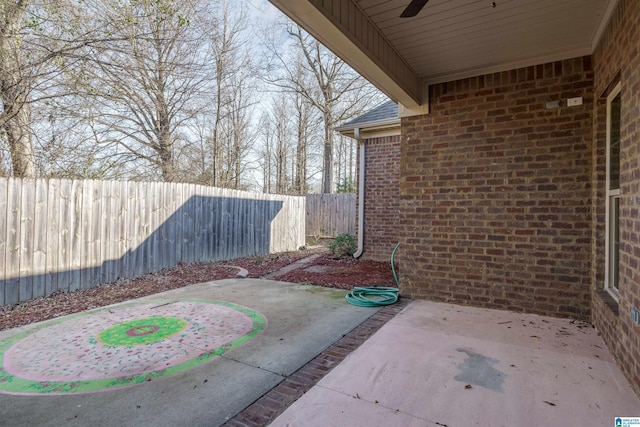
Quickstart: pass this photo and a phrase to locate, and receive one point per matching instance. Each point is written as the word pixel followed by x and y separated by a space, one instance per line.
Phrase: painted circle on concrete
pixel 123 345
pixel 141 331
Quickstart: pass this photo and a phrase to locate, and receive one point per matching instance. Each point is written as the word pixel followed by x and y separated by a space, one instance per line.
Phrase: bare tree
pixel 281 148
pixel 344 164
pixel 15 118
pixel 235 89
pixel 225 45
pixel 146 79
pixel 306 123
pixel 267 135
pixel 327 83
pixel 38 41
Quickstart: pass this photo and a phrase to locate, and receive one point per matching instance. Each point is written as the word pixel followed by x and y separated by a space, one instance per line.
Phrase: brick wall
pixel 495 206
pixel 617 58
pixel 382 194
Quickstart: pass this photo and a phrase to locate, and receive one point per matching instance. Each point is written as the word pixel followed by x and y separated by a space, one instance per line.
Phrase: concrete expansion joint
pixel 280 374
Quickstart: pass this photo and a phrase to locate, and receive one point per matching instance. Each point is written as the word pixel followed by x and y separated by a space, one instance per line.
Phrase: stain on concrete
pixel 476 369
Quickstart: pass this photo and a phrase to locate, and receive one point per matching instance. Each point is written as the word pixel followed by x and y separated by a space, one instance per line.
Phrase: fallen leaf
pixel 342 274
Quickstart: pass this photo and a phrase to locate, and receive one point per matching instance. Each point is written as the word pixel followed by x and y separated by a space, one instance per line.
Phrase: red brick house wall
pixel 617 59
pixel 495 190
pixel 382 197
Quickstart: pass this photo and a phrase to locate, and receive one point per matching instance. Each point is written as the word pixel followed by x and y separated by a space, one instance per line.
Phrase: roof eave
pixel 386 69
pixel 372 129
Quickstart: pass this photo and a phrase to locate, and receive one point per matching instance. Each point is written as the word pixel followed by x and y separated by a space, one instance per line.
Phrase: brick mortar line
pixel 273 403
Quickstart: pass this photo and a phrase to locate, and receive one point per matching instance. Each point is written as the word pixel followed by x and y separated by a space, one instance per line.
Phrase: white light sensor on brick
pixel 572 102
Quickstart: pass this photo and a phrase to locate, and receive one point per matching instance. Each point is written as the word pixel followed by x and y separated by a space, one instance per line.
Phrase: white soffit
pixel 455 39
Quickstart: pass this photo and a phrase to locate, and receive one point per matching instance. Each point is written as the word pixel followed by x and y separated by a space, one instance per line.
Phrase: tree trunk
pixel 165 142
pixel 301 156
pixel 15 118
pixel 327 157
pixel 18 129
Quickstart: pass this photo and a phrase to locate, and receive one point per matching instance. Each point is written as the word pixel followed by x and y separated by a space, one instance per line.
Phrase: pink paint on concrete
pixel 440 364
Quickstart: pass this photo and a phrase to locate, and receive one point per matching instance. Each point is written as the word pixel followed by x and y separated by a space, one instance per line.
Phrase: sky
pixel 264 9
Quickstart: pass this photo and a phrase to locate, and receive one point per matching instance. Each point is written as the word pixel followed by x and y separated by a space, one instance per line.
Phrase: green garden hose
pixel 372 296
pixel 393 264
pixel 375 296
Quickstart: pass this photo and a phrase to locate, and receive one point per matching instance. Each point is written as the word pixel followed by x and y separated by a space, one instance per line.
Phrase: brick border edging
pixel 273 403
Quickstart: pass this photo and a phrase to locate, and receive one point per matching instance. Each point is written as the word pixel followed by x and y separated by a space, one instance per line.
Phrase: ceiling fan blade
pixel 414 8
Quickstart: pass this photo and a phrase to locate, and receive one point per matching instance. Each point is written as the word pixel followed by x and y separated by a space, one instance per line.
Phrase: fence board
pixel 133 221
pixel 3 234
pixel 96 228
pixel 188 208
pixel 328 215
pixel 53 231
pixel 145 230
pixel 155 191
pixel 85 232
pixel 14 222
pixel 169 226
pixel 142 261
pixel 67 235
pixel 109 191
pixel 39 255
pixel 198 231
pixel 27 208
pixel 64 246
pixel 122 245
pixel 75 235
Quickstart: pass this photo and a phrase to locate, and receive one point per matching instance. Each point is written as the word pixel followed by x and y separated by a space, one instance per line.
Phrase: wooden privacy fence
pixel 329 215
pixel 68 235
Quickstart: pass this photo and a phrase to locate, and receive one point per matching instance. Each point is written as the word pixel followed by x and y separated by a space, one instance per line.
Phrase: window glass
pixel 614 143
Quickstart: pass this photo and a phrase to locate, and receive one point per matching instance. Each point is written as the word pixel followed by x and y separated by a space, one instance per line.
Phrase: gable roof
pixel 379 121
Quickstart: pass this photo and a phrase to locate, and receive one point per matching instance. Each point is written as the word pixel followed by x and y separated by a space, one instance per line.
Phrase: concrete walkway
pixel 444 365
pixel 212 361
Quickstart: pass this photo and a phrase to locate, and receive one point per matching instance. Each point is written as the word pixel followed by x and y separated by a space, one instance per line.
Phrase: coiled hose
pixel 375 296
pixel 372 296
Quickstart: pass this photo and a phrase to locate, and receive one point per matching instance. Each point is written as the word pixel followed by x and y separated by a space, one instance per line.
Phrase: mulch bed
pixel 325 271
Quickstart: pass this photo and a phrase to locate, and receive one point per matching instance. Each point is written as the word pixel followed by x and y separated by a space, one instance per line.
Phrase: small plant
pixel 343 246
pixel 313 239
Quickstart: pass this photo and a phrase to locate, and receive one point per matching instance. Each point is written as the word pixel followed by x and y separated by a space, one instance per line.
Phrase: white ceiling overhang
pixel 449 39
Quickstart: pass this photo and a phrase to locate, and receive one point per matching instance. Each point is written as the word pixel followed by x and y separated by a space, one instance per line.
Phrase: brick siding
pixel 382 197
pixel 495 206
pixel 617 58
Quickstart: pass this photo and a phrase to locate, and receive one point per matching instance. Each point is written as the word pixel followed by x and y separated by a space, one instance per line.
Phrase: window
pixel 612 251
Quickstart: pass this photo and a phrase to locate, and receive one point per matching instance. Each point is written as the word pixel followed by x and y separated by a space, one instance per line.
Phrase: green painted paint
pixel 141 331
pixel 11 384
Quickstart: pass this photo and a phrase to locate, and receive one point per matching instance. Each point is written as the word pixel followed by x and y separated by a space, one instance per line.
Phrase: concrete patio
pixel 432 364
pixel 444 365
pixel 221 380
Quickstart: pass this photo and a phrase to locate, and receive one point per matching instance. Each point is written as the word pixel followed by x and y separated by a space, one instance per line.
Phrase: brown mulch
pixel 344 274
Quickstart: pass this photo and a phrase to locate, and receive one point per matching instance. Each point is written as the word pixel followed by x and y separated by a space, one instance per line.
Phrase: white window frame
pixel 610 198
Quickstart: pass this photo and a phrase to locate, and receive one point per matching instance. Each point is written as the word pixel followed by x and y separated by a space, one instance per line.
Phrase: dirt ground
pixel 323 271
